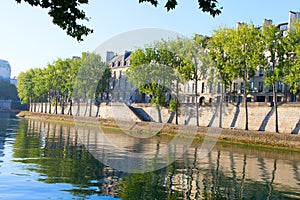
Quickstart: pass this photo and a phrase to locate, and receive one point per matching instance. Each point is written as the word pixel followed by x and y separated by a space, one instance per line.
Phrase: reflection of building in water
pixel 230 172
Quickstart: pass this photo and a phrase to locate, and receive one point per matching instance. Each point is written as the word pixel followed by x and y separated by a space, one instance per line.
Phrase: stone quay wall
pixel 261 115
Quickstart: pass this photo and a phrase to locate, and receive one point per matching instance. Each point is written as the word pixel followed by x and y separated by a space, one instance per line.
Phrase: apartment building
pixel 5 70
pixel 207 91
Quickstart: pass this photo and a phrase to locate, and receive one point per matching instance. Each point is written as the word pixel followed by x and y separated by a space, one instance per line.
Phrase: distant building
pixel 5 70
pixel 14 81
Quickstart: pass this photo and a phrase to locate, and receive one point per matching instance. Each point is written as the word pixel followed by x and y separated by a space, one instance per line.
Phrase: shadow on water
pixel 228 172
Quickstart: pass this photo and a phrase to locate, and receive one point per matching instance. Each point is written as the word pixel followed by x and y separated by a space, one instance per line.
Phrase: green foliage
pixel 292 66
pixel 210 6
pixel 66 15
pixel 93 76
pixel 150 75
pixel 173 105
pixel 219 51
pixel 237 52
pixel 25 86
pixel 146 186
pixel 57 81
pixel 8 91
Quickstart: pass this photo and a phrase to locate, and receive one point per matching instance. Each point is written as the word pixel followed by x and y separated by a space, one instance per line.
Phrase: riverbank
pixel 236 136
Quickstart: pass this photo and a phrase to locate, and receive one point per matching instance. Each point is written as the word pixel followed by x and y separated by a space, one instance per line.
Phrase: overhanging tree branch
pixel 66 15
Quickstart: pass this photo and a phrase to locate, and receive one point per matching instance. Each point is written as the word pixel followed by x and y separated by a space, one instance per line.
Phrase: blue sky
pixel 28 39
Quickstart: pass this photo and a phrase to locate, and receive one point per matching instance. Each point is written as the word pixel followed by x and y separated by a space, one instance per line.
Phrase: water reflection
pixel 7 123
pixel 55 151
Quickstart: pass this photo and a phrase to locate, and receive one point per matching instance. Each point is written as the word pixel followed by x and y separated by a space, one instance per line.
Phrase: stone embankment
pixel 261 122
pixel 261 115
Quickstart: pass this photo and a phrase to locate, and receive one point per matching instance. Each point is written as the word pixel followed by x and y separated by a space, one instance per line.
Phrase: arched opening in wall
pixel 202 101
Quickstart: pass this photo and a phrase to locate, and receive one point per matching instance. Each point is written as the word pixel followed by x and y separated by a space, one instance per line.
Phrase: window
pixel 271 88
pixel 219 88
pixel 260 86
pixel 279 86
pixel 242 88
pixel 261 71
pixel 211 88
pixel 260 98
pixel 189 88
pixel 112 64
pixel 279 99
pixel 251 86
pixel 270 98
pixel 193 87
pixel 235 87
pixel 202 88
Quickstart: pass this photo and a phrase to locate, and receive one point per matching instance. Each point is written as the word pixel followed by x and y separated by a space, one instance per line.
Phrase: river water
pixel 47 160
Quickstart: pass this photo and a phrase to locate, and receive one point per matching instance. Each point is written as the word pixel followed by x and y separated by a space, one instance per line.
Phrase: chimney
pixel 239 24
pixel 267 22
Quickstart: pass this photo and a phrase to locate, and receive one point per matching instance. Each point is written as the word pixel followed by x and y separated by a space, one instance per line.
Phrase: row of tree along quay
pixel 64 81
pixel 161 68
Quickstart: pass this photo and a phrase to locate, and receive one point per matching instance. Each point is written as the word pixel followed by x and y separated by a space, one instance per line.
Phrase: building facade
pixel 5 70
pixel 208 91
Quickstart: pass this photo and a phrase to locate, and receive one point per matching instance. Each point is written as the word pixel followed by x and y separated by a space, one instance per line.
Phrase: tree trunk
pixel 221 107
pixel 197 105
pixel 275 107
pixel 70 107
pixel 46 107
pixel 86 107
pixel 42 107
pixel 50 107
pixel 91 106
pixel 78 108
pixel 98 108
pixel 245 100
pixel 177 103
pixel 62 106
pixel 56 102
pixel 159 114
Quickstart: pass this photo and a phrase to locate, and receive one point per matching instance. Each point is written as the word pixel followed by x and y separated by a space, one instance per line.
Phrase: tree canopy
pixel 210 6
pixel 65 14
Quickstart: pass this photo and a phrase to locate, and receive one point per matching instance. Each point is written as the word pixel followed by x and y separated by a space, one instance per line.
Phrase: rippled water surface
pixel 47 160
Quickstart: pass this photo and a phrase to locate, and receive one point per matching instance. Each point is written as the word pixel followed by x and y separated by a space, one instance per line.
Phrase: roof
pixel 4 64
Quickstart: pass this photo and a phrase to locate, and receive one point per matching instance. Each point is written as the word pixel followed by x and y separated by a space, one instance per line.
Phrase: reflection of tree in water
pixel 7 125
pixel 223 174
pixel 187 179
pixel 60 159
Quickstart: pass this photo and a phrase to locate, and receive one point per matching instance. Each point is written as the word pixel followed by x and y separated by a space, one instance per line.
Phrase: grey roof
pixel 4 64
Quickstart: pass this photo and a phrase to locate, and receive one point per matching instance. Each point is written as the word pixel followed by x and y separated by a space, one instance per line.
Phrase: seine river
pixel 48 160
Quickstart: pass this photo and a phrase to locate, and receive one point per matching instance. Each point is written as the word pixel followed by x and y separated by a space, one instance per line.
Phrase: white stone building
pixel 5 70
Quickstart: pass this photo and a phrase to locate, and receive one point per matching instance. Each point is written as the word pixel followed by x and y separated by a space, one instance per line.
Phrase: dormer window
pixel 112 64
